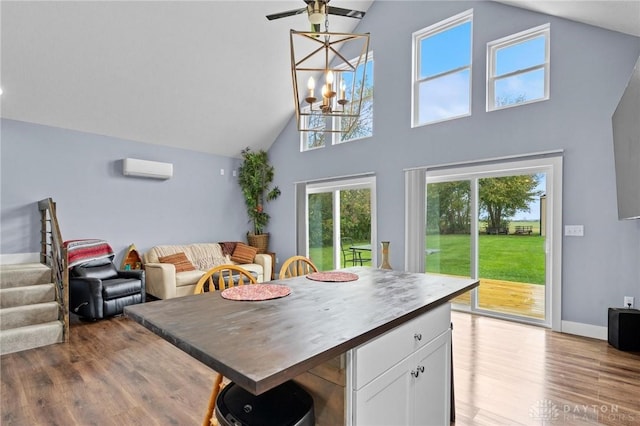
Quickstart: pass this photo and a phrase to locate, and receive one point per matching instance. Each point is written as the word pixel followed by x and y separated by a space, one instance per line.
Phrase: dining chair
pixel 296 266
pixel 220 278
pixel 348 255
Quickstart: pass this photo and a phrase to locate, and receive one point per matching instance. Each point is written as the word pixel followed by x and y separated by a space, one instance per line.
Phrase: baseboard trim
pixel 17 258
pixel 585 330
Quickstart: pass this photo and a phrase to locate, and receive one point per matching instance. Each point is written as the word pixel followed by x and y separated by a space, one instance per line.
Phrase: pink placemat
pixel 333 276
pixel 255 292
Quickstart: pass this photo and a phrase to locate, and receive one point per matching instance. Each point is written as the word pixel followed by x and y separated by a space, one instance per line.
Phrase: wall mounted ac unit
pixel 144 168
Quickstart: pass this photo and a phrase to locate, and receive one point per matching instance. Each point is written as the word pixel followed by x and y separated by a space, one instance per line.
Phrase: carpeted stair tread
pixel 31 336
pixel 24 274
pixel 17 296
pixel 21 316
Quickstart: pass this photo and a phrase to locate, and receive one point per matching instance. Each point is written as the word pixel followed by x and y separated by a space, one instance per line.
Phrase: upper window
pixel 313 140
pixel 442 70
pixel 364 125
pixel 518 69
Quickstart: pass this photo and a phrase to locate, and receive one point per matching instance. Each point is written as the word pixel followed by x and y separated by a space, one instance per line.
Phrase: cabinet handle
pixel 417 371
pixel 417 336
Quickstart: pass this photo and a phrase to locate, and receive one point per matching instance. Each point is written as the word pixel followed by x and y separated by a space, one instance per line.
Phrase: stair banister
pixel 54 254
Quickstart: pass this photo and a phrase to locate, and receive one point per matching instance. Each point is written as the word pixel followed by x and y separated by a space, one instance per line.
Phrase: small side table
pixel 273 264
pixel 624 329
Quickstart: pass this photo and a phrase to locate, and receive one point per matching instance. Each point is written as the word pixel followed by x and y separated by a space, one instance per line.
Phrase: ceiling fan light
pixel 316 18
pixel 316 12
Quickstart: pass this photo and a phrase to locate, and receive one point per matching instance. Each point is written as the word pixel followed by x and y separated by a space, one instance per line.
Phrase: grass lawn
pixel 518 258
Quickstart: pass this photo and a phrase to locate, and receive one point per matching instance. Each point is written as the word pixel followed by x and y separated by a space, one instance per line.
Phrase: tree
pixel 355 219
pixel 364 122
pixel 448 207
pixel 502 197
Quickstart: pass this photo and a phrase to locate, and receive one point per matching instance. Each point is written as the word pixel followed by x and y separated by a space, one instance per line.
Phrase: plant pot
pixel 260 241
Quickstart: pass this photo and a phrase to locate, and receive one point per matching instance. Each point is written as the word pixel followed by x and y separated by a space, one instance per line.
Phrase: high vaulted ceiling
pixel 210 76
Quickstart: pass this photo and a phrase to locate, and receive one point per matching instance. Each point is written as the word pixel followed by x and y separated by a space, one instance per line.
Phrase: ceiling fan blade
pixel 287 13
pixel 345 12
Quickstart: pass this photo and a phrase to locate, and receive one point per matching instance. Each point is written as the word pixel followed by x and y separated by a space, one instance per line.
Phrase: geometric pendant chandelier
pixel 327 81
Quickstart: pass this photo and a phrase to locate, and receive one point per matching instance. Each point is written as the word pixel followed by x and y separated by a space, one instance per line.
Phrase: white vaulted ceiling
pixel 209 76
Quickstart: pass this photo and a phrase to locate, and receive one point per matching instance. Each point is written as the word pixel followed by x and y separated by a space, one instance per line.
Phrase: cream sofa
pixel 163 282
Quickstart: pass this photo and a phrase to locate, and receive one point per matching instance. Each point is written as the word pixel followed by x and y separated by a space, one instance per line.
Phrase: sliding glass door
pixel 494 223
pixel 448 241
pixel 340 220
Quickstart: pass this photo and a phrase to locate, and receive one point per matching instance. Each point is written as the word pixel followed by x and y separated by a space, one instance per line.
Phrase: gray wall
pixel 589 70
pixel 83 174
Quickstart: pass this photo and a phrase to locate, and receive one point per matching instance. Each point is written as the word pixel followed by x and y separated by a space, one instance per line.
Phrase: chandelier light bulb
pixel 311 85
pixel 329 78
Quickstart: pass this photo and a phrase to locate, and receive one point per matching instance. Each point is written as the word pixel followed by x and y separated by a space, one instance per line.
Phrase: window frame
pixel 417 37
pixel 335 137
pixel 512 40
pixel 335 122
pixel 305 135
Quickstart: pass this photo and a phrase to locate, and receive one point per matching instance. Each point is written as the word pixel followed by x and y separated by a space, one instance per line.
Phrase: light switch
pixel 574 230
pixel 221 172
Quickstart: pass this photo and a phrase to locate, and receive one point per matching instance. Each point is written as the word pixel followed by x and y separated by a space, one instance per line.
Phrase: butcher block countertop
pixel 260 345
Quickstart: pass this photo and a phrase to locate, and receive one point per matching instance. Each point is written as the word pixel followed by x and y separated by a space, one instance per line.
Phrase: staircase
pixel 29 313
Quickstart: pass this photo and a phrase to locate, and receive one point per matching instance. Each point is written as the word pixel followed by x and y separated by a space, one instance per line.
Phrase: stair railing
pixel 54 254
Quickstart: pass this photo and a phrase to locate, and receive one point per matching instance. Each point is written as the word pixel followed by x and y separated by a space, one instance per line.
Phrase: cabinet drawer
pixel 378 355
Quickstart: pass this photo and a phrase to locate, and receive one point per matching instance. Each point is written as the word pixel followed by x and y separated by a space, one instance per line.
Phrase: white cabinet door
pixel 387 400
pixel 416 391
pixel 432 388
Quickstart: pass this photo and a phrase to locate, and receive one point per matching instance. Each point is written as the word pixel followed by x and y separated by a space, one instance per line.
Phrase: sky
pixel 445 96
pixel 534 207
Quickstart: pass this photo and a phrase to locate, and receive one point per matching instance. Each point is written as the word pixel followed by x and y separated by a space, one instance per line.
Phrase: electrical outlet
pixel 628 301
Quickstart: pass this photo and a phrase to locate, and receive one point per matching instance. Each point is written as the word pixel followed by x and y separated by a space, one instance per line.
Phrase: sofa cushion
pixel 208 262
pixel 179 260
pixel 244 253
pixel 188 278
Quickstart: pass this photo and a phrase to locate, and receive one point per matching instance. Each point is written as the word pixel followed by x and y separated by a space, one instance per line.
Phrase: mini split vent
pixel 148 169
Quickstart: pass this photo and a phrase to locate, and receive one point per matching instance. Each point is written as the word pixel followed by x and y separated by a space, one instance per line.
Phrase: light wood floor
pixel 115 372
pixel 509 297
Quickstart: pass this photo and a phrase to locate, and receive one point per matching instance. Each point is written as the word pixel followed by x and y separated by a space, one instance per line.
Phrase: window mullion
pixel 445 73
pixel 520 71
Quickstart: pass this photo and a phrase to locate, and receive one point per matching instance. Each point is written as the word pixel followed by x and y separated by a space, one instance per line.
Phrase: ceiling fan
pixel 317 10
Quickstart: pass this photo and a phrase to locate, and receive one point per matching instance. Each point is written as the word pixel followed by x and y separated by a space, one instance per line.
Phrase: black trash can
pixel 284 405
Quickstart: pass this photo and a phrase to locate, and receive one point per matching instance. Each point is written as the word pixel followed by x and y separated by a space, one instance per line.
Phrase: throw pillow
pixel 180 260
pixel 228 247
pixel 244 253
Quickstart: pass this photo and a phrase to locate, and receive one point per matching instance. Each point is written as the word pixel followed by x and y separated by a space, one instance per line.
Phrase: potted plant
pixel 255 176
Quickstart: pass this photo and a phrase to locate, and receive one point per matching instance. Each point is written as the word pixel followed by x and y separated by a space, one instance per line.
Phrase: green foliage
pixel 255 176
pixel 355 219
pixel 502 197
pixel 448 207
